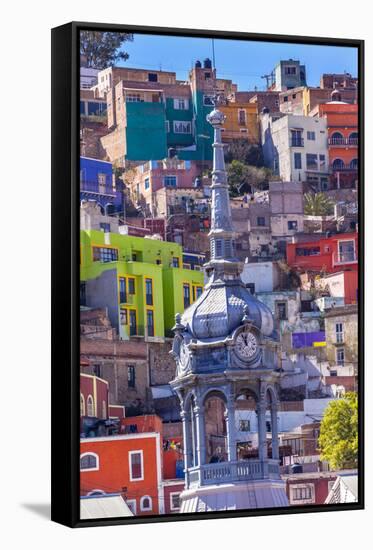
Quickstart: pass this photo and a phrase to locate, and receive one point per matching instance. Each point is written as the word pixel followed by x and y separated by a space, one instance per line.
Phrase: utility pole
pixel 269 79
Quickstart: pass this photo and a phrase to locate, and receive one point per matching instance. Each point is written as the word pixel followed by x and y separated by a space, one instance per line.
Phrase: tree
pixel 338 441
pixel 317 204
pixel 245 152
pixel 102 49
pixel 243 178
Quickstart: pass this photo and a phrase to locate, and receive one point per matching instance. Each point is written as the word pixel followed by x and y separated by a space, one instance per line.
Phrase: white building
pixel 296 148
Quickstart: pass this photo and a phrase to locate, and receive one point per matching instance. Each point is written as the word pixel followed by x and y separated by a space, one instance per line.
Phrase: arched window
pixel 337 138
pixel 354 164
pixel 338 164
pixel 146 503
pixel 353 138
pixel 82 405
pixel 90 409
pixel 96 493
pixel 104 412
pixel 89 462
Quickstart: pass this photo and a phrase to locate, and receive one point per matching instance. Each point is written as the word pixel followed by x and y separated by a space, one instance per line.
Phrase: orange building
pixel 342 124
pixel 127 464
pixel 241 121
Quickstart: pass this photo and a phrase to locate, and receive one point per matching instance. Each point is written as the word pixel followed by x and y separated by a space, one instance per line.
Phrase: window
pixel 315 251
pixel 322 162
pixel 133 323
pixel 296 138
pixel 268 426
pixel 170 181
pixel 242 116
pixel 152 77
pixel 338 164
pixel 354 164
pixel 311 161
pixel 182 127
pixel 281 311
pixel 101 182
pixel 105 227
pixel 186 295
pixel 146 183
pixel 286 99
pixel 133 98
pixel 311 136
pixel 104 411
pixel 244 425
pixel 136 465
pixel 131 286
pixel 208 99
pixel 122 290
pixel 150 322
pixel 339 333
pixel 346 251
pixel 174 501
pixel 292 225
pixel 181 104
pixel 228 248
pixel 298 161
pixel 89 461
pixel 149 292
pixel 197 291
pixel 302 493
pixel 123 316
pixel 290 70
pixel 175 262
pixel 83 298
pixel 90 408
pixel 104 254
pixel 243 130
pixel 207 75
pixel 82 405
pixel 260 221
pixel 145 503
pixel 97 370
pixel 333 373
pixel 167 123
pixel 219 248
pixel 340 356
pixel 131 376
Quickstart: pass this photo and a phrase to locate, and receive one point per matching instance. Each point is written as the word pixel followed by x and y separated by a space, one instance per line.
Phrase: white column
pixel 199 415
pixel 262 432
pixel 274 429
pixel 231 429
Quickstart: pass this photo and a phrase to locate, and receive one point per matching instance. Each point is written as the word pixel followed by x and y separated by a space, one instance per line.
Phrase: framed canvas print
pixel 207 274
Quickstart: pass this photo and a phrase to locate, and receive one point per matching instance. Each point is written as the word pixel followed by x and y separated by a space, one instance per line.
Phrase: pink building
pixel 154 175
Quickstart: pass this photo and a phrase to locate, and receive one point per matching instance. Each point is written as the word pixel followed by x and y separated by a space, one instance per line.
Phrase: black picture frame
pixel 65 271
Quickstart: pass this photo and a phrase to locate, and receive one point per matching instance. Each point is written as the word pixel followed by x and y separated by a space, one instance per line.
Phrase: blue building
pixel 97 183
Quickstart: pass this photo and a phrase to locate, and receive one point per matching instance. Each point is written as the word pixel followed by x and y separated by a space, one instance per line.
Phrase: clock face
pixel 246 345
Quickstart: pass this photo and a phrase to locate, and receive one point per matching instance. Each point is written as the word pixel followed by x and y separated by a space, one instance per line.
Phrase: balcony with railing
pixel 233 472
pixel 296 142
pixel 342 142
pixel 96 188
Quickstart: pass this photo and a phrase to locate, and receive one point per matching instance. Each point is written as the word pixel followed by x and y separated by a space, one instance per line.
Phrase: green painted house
pixel 140 281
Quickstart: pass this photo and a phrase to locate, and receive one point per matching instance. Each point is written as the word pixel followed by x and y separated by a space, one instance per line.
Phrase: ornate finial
pixel 246 319
pixel 178 325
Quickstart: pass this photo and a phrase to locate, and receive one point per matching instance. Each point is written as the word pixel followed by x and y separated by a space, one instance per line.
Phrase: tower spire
pixel 222 236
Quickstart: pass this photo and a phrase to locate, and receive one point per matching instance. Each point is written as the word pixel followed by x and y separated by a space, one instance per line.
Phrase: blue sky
pixel 241 61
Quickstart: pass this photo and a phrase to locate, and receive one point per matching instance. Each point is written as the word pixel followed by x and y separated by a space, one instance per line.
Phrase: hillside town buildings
pixel 216 327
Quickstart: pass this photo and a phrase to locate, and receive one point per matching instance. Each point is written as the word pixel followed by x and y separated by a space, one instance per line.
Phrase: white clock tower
pixel 225 350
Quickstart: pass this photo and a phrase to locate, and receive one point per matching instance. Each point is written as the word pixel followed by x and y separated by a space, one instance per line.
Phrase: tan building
pixel 341 332
pixel 241 121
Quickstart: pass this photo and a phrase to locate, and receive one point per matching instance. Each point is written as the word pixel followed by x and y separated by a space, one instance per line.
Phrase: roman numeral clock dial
pixel 246 346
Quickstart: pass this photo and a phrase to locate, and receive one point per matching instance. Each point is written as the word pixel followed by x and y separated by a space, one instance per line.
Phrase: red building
pixel 342 124
pixel 309 488
pixel 94 396
pixel 127 464
pixel 327 254
pixel 139 464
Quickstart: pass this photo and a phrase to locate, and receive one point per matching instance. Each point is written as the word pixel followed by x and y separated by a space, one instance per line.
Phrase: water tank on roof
pixel 207 63
pixel 296 469
pixel 198 64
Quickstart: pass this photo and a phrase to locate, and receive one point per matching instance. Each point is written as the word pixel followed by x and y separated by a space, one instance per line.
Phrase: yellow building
pixel 241 121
